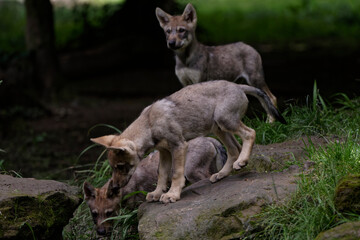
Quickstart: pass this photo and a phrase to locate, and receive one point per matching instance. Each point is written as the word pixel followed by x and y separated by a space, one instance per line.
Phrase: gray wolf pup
pixel 205 156
pixel 168 124
pixel 196 62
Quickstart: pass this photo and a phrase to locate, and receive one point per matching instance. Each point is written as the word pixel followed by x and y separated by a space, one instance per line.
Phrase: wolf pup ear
pixel 112 190
pixel 162 17
pixel 104 140
pixel 189 14
pixel 89 191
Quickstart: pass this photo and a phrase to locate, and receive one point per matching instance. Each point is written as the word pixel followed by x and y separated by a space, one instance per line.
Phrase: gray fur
pixel 196 62
pixel 214 107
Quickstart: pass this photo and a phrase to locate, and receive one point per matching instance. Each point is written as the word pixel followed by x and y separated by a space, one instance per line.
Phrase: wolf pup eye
pixel 181 30
pixel 109 213
pixel 94 214
pixel 168 30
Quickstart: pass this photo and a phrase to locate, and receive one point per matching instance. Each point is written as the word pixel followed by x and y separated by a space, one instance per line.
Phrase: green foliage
pixel 279 22
pixel 71 23
pixel 82 226
pixel 80 21
pixel 315 118
pixel 311 210
pixel 12 25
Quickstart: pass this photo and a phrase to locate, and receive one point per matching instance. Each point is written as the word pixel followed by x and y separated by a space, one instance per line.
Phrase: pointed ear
pixel 89 191
pixel 189 14
pixel 162 17
pixel 104 140
pixel 112 190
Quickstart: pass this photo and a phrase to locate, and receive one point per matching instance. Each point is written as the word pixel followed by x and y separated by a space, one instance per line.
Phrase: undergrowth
pixel 81 226
pixel 311 209
pixel 317 117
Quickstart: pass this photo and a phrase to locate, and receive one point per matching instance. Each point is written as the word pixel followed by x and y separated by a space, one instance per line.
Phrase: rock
pixel 348 231
pixel 347 194
pixel 222 210
pixel 31 208
pixel 279 156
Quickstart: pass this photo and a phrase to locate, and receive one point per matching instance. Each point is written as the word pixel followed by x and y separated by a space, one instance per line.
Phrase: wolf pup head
pixel 103 203
pixel 122 155
pixel 179 30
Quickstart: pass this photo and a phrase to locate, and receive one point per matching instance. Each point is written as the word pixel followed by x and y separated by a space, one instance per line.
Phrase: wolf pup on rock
pixel 196 110
pixel 196 62
pixel 205 156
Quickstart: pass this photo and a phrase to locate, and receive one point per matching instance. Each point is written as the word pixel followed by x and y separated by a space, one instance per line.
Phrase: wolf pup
pixel 196 110
pixel 196 62
pixel 205 156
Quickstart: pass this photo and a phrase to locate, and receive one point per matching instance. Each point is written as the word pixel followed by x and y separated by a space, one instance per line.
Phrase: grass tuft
pixel 311 210
pixel 316 118
pixel 81 225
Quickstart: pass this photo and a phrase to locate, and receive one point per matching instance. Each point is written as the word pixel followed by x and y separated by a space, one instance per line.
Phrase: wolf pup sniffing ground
pixel 103 203
pixel 205 156
pixel 196 62
pixel 196 110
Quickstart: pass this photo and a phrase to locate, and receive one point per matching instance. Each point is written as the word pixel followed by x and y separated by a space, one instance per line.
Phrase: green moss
pixel 44 215
pixel 159 235
pixel 227 223
pixel 347 194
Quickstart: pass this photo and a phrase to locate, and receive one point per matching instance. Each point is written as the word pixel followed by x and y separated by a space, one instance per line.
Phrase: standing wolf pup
pixel 196 110
pixel 196 62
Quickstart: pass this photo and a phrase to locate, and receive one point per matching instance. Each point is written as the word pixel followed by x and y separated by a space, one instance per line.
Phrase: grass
pixel 311 210
pixel 316 117
pixel 81 226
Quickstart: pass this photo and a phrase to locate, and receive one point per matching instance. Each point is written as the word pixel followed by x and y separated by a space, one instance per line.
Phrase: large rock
pixel 225 210
pixel 345 231
pixel 35 208
pixel 215 211
pixel 279 156
pixel 347 194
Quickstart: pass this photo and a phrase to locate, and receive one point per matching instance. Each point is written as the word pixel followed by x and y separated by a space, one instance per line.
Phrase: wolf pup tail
pixel 265 102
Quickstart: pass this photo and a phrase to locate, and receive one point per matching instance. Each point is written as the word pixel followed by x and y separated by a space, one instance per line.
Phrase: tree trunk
pixel 40 42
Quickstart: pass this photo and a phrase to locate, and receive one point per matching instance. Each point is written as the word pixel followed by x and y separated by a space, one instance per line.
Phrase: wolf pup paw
pixel 169 198
pixel 217 177
pixel 153 197
pixel 239 164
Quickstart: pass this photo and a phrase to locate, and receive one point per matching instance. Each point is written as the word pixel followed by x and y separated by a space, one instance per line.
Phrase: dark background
pixel 52 93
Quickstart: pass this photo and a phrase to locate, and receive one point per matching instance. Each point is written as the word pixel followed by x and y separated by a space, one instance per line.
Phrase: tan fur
pixel 103 203
pixel 167 125
pixel 196 62
pixel 205 157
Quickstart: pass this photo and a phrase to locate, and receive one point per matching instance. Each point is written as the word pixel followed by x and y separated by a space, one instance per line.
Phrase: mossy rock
pixel 220 211
pixel 345 231
pixel 31 208
pixel 347 194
